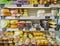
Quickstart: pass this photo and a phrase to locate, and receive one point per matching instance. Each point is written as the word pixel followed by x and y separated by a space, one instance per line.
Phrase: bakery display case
pixel 28 38
pixel 29 22
pixel 31 19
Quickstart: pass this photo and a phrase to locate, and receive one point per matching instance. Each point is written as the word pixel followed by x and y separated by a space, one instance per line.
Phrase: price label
pixel 2 17
pixel 19 5
pixel 47 5
pixel 20 28
pixel 17 17
pixel 2 5
pixel 35 5
pixel 4 29
pixel 47 17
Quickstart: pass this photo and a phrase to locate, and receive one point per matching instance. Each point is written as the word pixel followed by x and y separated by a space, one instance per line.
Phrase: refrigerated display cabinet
pixel 37 38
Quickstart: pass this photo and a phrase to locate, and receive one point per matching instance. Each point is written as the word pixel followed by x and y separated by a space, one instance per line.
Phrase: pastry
pixel 5 12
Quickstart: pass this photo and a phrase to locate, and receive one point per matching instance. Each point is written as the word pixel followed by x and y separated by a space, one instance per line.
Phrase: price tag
pixel 47 17
pixel 19 5
pixel 17 17
pixel 2 5
pixel 35 5
pixel 4 29
pixel 20 28
pixel 12 29
pixel 47 5
pixel 2 17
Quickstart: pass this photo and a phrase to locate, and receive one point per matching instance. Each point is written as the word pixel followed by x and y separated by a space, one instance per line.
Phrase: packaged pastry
pixel 53 1
pixel 27 42
pixel 10 34
pixel 21 24
pixel 46 42
pixel 4 23
pixel 41 1
pixel 20 12
pixel 40 13
pixel 1 41
pixel 21 42
pixel 52 22
pixel 45 2
pixel 35 2
pixel 25 35
pixel 25 14
pixel 38 34
pixel 33 41
pixel 53 26
pixel 30 1
pixel 5 12
pixel 21 33
pixel 14 12
pixel 11 44
pixel 18 33
pixel 14 26
pixel 30 36
pixel 5 44
pixel 38 42
pixel 1 37
pixel 13 22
